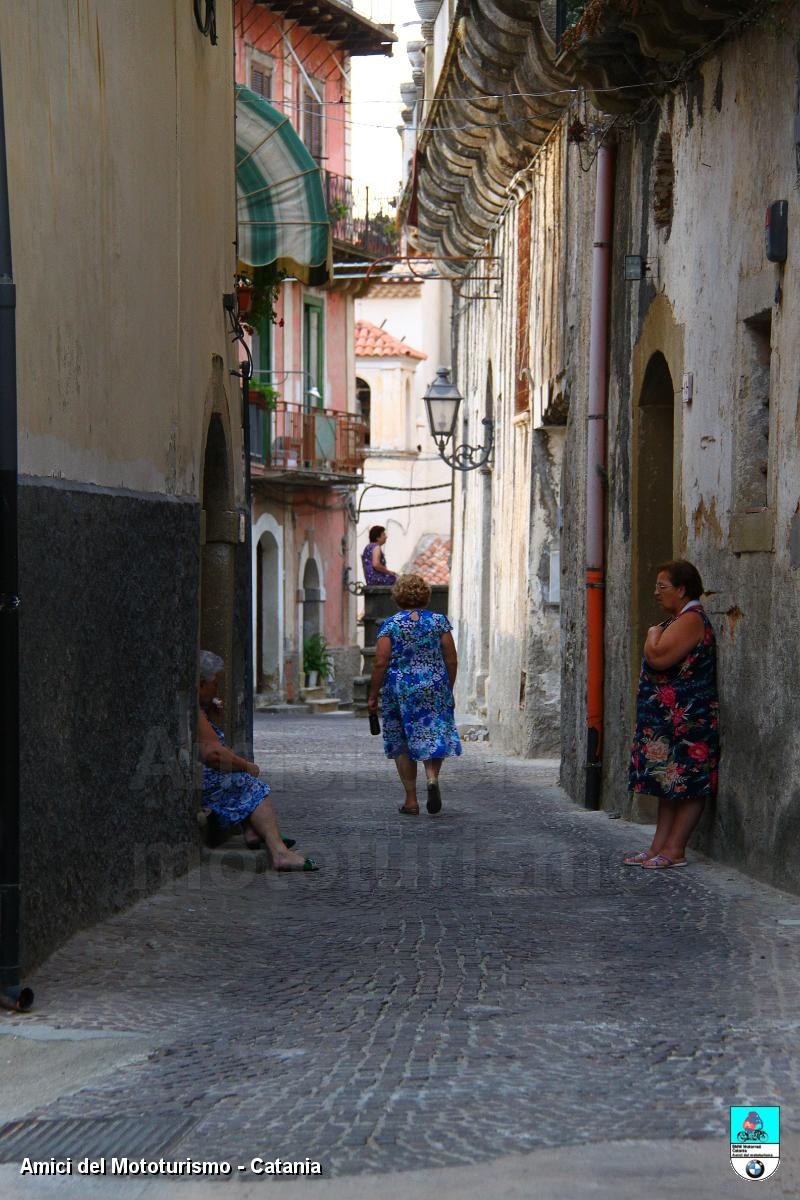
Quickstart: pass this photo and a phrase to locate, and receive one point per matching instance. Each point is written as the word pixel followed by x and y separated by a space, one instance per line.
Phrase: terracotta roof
pixel 431 559
pixel 372 342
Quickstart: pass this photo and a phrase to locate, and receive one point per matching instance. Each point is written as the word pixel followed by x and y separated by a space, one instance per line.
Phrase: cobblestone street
pixel 445 991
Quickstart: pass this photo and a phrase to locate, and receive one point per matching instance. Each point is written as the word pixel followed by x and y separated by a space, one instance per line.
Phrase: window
pixel 313 352
pixel 752 416
pixel 261 74
pixel 312 119
pixel 522 397
pixel 752 524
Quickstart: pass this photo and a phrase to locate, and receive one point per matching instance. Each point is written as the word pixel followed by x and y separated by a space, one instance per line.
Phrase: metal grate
pixel 79 1137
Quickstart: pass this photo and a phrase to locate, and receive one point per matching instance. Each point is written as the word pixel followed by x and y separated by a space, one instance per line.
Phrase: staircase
pixel 318 702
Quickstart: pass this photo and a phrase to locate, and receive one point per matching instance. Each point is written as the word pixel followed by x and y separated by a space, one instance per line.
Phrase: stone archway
pixel 220 536
pixel 654 536
pixel 268 607
pixel 312 600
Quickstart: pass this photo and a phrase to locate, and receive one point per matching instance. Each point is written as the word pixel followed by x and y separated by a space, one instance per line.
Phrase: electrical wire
pixel 416 504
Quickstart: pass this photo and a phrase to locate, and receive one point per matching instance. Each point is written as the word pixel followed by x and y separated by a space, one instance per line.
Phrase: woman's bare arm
pixel 377 565
pixel 665 648
pixel 217 756
pixel 383 654
pixel 450 657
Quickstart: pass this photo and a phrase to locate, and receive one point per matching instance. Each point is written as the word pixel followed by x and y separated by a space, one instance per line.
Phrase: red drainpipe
pixel 596 470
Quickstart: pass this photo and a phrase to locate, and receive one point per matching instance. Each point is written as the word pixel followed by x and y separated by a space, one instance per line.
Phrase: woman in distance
pixel 675 752
pixel 374 560
pixel 415 666
pixel 232 790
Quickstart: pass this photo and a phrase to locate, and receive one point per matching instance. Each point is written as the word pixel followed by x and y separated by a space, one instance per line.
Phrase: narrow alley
pixel 446 993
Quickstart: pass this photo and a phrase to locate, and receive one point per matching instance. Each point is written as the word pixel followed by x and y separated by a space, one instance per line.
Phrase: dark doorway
pixel 653 499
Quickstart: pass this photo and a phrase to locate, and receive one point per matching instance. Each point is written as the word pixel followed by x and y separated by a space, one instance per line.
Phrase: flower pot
pixel 311 678
pixel 244 299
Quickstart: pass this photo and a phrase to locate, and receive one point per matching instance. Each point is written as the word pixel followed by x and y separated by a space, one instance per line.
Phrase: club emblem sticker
pixel 755 1140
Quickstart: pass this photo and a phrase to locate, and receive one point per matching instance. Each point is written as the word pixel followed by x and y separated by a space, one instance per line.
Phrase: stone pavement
pixel 485 995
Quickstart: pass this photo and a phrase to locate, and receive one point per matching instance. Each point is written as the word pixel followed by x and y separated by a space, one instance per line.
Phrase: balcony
pixel 373 235
pixel 312 446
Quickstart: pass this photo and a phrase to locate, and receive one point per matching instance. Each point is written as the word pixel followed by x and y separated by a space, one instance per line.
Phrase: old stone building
pixel 606 169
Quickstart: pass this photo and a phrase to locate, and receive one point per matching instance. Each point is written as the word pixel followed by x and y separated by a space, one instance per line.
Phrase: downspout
pixel 596 470
pixel 12 996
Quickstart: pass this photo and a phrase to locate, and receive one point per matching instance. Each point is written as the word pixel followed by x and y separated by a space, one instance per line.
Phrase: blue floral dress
pixel 675 752
pixel 231 795
pixel 417 699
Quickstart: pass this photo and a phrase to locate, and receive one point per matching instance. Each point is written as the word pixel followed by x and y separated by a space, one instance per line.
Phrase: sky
pixel 376 158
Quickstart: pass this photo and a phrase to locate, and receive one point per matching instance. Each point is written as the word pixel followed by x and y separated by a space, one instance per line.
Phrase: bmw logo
pixel 755 1168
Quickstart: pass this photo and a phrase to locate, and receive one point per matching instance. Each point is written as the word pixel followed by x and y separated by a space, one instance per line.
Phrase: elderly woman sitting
pixel 231 787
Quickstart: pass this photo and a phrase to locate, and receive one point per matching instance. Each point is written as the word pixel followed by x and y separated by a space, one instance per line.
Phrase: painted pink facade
pixel 303 529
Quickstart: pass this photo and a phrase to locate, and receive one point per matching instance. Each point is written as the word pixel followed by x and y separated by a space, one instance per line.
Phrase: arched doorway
pixel 312 600
pixel 268 625
pixel 654 431
pixel 220 537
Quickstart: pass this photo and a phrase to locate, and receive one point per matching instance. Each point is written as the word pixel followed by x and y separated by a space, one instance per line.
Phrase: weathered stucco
pixel 702 418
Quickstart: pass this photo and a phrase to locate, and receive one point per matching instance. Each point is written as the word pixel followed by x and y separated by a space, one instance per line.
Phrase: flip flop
pixel 434 804
pixel 636 860
pixel 259 845
pixel 660 862
pixel 408 812
pixel 308 864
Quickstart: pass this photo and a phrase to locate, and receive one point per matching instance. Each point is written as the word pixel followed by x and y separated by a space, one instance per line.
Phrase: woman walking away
pixel 374 560
pixel 415 665
pixel 231 787
pixel 675 751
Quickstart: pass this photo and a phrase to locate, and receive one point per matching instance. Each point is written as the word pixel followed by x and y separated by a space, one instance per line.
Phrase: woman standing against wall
pixel 675 751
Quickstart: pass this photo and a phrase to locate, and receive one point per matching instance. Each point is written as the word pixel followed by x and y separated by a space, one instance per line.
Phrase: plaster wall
pixel 122 241
pixel 515 364
pixel 127 314
pixel 733 152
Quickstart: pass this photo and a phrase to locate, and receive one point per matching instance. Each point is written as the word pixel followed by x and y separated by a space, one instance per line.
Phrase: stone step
pixel 289 710
pixel 329 704
pixel 315 693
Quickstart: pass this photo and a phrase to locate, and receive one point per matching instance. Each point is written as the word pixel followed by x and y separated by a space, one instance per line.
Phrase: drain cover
pixel 79 1137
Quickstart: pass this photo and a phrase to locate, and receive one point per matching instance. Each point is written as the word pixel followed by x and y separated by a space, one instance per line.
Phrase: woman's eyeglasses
pixel 664 587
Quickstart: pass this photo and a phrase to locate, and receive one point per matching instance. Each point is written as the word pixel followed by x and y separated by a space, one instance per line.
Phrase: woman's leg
pixel 664 820
pixel 432 768
pixel 265 823
pixel 685 816
pixel 407 770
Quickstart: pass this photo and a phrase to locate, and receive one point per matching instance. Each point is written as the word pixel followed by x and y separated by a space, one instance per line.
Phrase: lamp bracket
pixel 468 458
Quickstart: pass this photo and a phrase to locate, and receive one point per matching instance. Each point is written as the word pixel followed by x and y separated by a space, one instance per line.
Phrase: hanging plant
pixel 260 291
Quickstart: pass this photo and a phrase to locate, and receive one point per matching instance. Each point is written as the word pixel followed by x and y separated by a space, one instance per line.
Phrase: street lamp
pixel 442 400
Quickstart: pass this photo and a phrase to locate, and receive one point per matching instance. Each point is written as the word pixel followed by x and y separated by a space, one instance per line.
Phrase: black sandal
pixel 408 812
pixel 434 804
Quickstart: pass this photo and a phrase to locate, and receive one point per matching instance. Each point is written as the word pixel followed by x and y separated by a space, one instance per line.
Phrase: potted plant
pixel 317 660
pixel 264 395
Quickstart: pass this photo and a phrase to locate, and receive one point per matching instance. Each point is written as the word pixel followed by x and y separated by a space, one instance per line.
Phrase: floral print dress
pixel 372 576
pixel 675 751
pixel 418 702
pixel 231 795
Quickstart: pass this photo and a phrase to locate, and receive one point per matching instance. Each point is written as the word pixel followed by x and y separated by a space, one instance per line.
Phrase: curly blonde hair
pixel 411 591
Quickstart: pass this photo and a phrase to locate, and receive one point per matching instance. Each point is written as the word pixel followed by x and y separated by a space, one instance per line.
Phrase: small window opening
pixel 752 416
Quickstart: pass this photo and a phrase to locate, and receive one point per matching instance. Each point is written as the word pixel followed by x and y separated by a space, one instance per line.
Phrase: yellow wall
pixel 119 122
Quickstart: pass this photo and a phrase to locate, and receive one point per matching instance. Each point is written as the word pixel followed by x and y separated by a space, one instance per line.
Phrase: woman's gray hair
pixel 210 665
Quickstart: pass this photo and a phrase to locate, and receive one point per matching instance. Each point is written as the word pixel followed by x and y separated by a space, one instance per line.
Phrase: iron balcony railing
pixel 375 233
pixel 289 437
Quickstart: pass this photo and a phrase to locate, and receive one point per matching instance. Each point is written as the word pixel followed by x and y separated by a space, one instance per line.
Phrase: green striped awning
pixel 283 219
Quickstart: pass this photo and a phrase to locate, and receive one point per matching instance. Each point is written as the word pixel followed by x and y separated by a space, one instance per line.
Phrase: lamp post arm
pixel 469 458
